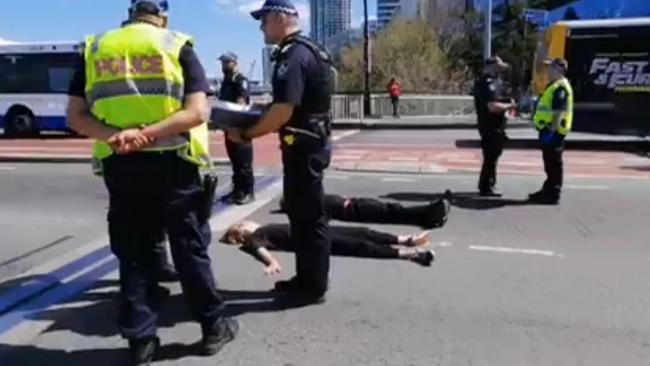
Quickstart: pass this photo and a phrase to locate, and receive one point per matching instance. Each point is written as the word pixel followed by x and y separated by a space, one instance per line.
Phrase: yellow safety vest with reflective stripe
pixel 134 79
pixel 544 112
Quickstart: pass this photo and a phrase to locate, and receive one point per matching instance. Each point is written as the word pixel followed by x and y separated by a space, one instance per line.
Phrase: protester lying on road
pixel 257 240
pixel 369 210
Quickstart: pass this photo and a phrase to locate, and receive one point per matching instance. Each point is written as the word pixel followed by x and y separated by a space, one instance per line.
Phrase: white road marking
pixel 443 244
pixel 7 168
pixel 397 179
pixel 588 187
pixel 545 253
pixel 337 177
pixel 344 135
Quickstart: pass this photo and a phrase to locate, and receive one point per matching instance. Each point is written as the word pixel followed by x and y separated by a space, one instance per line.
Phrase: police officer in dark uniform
pixel 152 179
pixel 491 123
pixel 303 83
pixel 234 89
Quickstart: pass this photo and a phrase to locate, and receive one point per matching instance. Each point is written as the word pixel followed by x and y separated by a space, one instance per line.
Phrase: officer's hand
pixel 273 269
pixel 234 135
pixel 128 141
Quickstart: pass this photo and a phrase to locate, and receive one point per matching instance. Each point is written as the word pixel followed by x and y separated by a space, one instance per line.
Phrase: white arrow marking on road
pixel 546 253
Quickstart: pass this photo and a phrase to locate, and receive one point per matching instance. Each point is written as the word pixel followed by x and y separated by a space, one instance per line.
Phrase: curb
pixel 378 125
pixel 629 146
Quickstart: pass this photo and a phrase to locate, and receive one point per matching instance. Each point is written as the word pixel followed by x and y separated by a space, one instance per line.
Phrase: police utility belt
pixel 315 133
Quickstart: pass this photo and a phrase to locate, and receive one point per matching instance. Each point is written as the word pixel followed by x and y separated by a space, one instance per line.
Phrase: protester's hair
pixel 232 235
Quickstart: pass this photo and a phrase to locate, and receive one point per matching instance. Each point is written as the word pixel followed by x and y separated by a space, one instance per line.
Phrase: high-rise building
pixel 267 65
pixel 329 18
pixel 385 11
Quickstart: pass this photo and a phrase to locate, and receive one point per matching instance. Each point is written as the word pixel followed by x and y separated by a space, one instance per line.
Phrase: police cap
pixel 280 6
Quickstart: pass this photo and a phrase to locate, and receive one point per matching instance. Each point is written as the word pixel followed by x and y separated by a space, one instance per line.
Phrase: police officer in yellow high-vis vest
pixel 141 94
pixel 553 120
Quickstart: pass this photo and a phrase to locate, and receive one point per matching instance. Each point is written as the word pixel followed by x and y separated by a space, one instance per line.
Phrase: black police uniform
pixel 233 87
pixel 491 127
pixel 150 192
pixel 303 77
pixel 554 150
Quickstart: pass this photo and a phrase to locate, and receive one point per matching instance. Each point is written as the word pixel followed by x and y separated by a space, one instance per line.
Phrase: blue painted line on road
pixel 41 283
pixel 39 298
pixel 58 295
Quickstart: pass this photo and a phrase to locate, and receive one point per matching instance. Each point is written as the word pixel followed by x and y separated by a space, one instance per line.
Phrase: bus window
pixel 59 79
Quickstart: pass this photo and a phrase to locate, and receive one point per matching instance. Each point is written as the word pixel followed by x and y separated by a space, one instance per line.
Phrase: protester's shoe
pixel 424 258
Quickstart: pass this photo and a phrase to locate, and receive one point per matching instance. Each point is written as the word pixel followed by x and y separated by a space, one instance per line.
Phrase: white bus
pixel 34 80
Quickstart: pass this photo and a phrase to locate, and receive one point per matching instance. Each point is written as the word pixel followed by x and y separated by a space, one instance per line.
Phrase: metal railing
pixel 350 106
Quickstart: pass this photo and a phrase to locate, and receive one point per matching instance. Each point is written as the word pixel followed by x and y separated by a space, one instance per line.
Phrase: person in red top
pixel 395 91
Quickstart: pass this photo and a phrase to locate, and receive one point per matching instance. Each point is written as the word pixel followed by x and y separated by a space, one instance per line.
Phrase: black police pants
pixel 241 158
pixel 492 146
pixel 148 192
pixel 554 166
pixel 369 210
pixel 304 168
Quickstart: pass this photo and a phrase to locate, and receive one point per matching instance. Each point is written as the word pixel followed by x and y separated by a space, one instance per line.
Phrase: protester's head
pixel 238 233
pixel 557 68
pixel 279 18
pixel 151 11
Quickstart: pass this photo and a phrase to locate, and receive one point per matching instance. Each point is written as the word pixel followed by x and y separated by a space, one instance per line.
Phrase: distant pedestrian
pixel 395 91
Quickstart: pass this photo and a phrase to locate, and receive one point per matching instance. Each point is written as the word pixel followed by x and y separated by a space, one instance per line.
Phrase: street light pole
pixel 488 30
pixel 366 60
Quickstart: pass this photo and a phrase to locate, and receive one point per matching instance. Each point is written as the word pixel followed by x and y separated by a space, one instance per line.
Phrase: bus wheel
pixel 21 124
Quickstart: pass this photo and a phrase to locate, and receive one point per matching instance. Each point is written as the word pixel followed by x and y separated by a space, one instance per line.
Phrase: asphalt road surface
pixel 513 284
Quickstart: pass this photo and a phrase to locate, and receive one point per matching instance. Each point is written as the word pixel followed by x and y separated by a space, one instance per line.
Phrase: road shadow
pixel 630 146
pixel 94 314
pixel 638 168
pixel 466 200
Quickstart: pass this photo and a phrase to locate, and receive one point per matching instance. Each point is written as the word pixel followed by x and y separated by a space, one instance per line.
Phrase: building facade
pixel 329 18
pixel 386 9
pixel 267 65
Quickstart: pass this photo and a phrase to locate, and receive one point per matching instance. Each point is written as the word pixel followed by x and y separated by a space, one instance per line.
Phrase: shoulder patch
pixel 282 69
pixel 244 84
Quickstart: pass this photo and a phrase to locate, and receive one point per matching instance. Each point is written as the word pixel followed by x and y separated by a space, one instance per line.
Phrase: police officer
pixel 553 120
pixel 303 84
pixel 491 114
pixel 234 88
pixel 141 94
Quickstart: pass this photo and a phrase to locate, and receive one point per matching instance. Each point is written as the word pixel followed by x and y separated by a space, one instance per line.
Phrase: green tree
pixel 407 51
pixel 516 41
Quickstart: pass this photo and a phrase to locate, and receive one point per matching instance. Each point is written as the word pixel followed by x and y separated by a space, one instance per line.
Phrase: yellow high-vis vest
pixel 544 112
pixel 134 79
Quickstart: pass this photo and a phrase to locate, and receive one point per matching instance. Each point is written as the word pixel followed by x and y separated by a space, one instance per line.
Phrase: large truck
pixel 609 68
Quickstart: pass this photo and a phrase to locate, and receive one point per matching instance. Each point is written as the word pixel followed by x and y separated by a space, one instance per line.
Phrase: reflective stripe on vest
pixel 133 79
pixel 544 113
pixel 117 88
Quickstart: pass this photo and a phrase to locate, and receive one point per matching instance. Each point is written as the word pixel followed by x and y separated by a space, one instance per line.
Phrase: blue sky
pixel 217 25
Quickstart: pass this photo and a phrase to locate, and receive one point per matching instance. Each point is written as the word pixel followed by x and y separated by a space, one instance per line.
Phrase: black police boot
pixel 143 351
pixel 167 274
pixel 217 336
pixel 490 192
pixel 243 197
pixel 294 292
pixel 544 197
